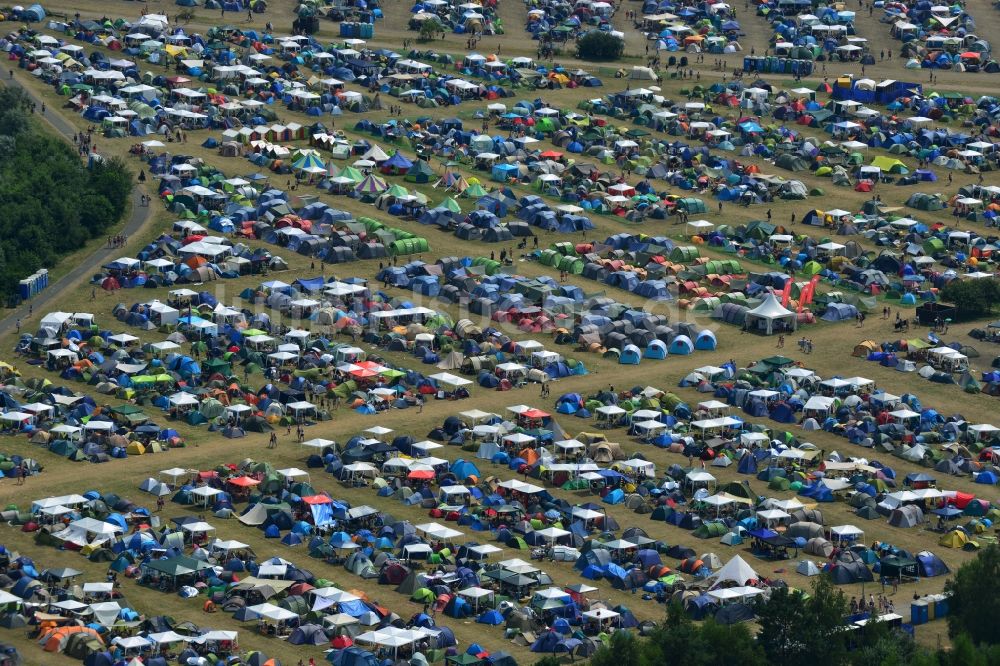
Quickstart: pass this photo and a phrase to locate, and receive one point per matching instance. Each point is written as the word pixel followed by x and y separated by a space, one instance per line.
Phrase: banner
pixel 786 293
pixel 810 290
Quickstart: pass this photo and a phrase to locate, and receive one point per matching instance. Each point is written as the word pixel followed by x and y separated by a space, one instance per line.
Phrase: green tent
pixel 710 530
pixel 933 245
pixel 779 483
pixel 791 162
pixel 450 204
pixel 926 202
pixel 691 205
pixel 420 172
pixel 216 365
pixel 353 174
pixel 684 254
pixel 408 246
pixel 812 267
pixel 474 191
pixel 546 125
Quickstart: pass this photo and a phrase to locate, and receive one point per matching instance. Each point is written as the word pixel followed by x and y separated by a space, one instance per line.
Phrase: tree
pixel 429 28
pixel 975 596
pixel 808 632
pixel 598 45
pixel 882 646
pixel 972 298
pixel 623 650
pixel 677 642
pixel 550 660
pixel 14 105
pixel 52 203
pixel 731 645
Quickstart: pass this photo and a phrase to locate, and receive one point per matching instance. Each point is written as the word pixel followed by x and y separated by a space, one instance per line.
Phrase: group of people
pixel 873 606
pixel 118 240
pixel 84 142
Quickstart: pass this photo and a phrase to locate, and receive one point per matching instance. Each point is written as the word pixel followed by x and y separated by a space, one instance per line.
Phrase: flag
pixel 786 293
pixel 810 290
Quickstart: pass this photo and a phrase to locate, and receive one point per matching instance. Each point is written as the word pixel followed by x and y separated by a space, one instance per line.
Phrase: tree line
pixel 50 202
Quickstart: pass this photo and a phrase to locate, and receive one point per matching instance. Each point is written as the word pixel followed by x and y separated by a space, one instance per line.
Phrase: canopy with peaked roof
pixel 769 312
pixel 736 571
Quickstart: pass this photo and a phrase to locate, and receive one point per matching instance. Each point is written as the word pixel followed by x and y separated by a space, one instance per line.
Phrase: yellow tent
pixel 889 164
pixel 136 449
pixel 175 50
pixel 955 539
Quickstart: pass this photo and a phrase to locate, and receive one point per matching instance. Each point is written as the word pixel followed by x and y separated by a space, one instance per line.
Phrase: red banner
pixel 811 287
pixel 786 293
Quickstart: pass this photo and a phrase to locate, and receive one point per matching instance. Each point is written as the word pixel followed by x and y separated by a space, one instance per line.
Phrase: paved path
pixel 140 217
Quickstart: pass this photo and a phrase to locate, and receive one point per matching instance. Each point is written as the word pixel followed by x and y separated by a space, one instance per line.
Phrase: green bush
pixel 52 202
pixel 972 298
pixel 429 28
pixel 597 45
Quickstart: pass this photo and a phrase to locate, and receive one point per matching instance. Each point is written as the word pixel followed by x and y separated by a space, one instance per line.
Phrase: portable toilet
pixel 918 612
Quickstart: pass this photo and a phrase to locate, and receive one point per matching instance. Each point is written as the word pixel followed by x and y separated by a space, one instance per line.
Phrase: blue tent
pixel 463 469
pixel 930 565
pixel 616 496
pixel 352 656
pixel 547 642
pixel 630 355
pixel 818 492
pixel 705 341
pixel 839 312
pixel 292 539
pixel 747 464
pixel 398 162
pixel 492 617
pixel 656 349
pixel 987 477
pixel 681 345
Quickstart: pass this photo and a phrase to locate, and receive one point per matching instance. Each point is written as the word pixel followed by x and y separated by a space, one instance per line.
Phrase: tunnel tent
pixel 691 205
pixel 415 245
pixel 791 162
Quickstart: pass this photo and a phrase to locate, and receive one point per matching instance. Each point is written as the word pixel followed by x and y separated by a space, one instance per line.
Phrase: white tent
pixel 736 571
pixel 764 316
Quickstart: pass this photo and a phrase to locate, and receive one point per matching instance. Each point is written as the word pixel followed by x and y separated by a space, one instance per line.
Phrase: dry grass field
pixel 832 356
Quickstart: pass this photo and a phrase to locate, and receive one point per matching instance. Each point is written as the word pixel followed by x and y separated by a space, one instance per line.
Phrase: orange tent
pixel 244 481
pixel 530 455
pixel 55 640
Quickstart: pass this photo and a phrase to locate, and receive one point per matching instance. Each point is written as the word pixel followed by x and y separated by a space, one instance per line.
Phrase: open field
pixel 833 343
